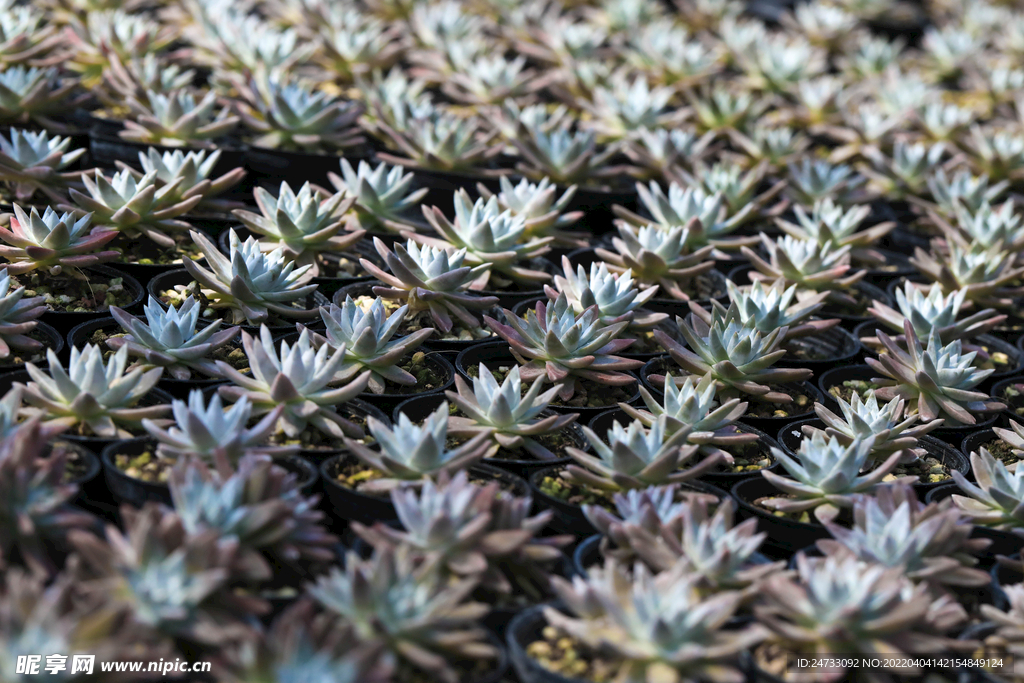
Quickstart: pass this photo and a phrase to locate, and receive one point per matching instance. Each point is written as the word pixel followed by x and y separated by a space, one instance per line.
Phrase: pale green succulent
pixel 565 156
pixel 510 417
pixel 999 153
pixel 808 265
pixel 932 310
pixel 18 318
pixel 211 432
pixel 367 337
pixel 625 106
pixel 355 43
pixel 997 498
pixel 908 171
pixel 963 190
pixel 825 476
pixel 306 225
pixel 615 294
pixel 251 285
pixel 831 222
pixel 32 162
pixel 864 418
pixel 297 376
pixel 53 242
pixel 411 452
pixel 988 274
pixel 662 150
pixel 439 140
pixel 100 397
pixel 781 62
pixel 176 119
pixel 31 95
pixel 769 308
pixel 715 223
pixel 190 175
pixel 536 203
pixel 815 180
pixel 666 51
pixel 989 227
pixel 659 258
pixel 384 198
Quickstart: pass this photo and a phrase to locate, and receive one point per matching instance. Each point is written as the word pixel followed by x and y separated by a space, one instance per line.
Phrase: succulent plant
pixel 53 242
pixel 31 95
pixel 680 206
pixel 808 265
pixel 473 531
pixel 653 625
pixel 36 515
pixel 509 417
pixel 659 258
pixel 625 106
pixel 667 53
pixel 935 311
pixel 866 418
pixel 366 335
pixel 553 342
pixel 813 181
pixel 832 223
pixel 353 43
pixel 424 620
pixel 720 109
pixel 825 476
pixel 175 119
pixel 91 396
pixel 251 285
pixel 440 140
pixel 111 31
pixel 164 581
pixel 781 62
pixel 936 381
pixel 988 274
pixel 135 206
pixel 18 318
pixel 842 604
pixel 487 79
pixel 565 156
pixel 650 510
pixel 614 294
pixel 410 453
pixel 33 162
pixel 737 356
pixel 769 308
pixel 930 543
pixel 986 226
pixel 209 432
pixel 998 153
pixel 189 175
pixel 27 38
pixel 962 191
pixel 740 187
pixel 691 407
pixel 908 171
pixel 488 235
pixel 168 338
pixel 306 225
pixel 662 151
pixel 139 77
pixel 430 279
pixel 544 215
pixel 286 114
pixel 384 200
pixel 296 376
pixel 635 458
pixel 260 506
pixel 996 499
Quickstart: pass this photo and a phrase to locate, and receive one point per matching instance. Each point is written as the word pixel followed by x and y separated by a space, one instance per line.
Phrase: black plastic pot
pixel 1003 576
pixel 569 518
pixel 997 393
pixel 791 435
pixel 89 484
pixel 358 289
pixel 136 492
pixel 981 631
pixel 973 442
pixel 417 409
pixel 597 207
pixel 347 505
pixel 437 362
pixel 836 346
pixel 603 422
pixel 178 388
pixel 53 340
pixel 63 321
pixel 442 185
pixel 170 279
pixel 783 533
pixel 881 277
pixel 524 629
pixel 274 165
pixel 1003 542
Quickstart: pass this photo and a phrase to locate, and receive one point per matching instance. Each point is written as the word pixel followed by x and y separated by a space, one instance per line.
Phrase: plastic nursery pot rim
pixel 997 391
pixel 55 343
pixel 93 463
pixel 129 282
pixel 760 484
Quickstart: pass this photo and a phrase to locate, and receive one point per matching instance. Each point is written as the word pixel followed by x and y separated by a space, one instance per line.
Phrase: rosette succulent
pixel 430 279
pixel 32 162
pixel 812 181
pixel 488 235
pixel 936 381
pixel 286 114
pixel 931 543
pixel 893 433
pixel 190 175
pixel 440 140
pixel 808 265
pixel 258 505
pixel 996 499
pixel 252 286
pixel 963 190
pixel 614 294
pixel 31 95
pixel 564 156
pixel 35 511
pixel 650 509
pixel 367 337
pixel 988 274
pixel 691 407
pixel 176 119
pixel 659 258
pixel 539 205
pixel 91 396
pixel 634 458
pixel 738 357
pixel 18 318
pixel 553 342
pixel 825 476
pixel 53 242
pixel 932 310
pixel 168 338
pixel 210 432
pixel 384 200
pixel 306 225
pixel 135 205
pixel 511 418
pixel 650 626
pixel 410 453
pixel 833 223
pixel 769 308
pixel 296 376
pixel 425 620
